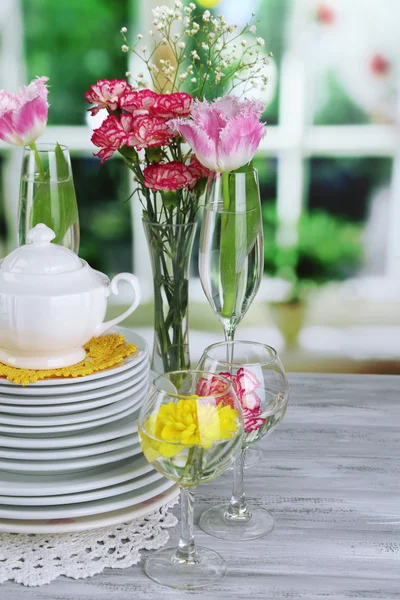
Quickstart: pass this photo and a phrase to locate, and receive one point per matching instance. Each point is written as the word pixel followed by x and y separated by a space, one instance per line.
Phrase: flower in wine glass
pixel 244 383
pixel 187 423
pixel 23 116
pixel 224 134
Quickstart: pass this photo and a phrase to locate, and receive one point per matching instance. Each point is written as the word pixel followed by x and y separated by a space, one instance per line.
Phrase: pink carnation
pixel 245 384
pixel 210 386
pixel 110 136
pixel 138 103
pixel 170 176
pixel 198 169
pixel 252 420
pixel 150 131
pixel 106 94
pixel 169 106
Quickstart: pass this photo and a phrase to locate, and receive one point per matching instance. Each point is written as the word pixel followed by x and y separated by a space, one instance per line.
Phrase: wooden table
pixel 331 477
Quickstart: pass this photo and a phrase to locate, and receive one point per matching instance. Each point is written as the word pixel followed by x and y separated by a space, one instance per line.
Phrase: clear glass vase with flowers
pixel 191 57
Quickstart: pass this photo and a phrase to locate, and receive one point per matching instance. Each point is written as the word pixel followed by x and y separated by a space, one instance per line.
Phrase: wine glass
pixel 231 254
pixel 259 380
pixel 231 257
pixel 47 194
pixel 191 429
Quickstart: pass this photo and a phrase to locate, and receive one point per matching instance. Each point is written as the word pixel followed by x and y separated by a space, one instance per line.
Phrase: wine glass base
pixel 214 522
pixel 207 570
pixel 253 457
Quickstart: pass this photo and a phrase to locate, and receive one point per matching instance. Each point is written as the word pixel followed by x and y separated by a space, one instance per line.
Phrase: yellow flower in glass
pixel 190 439
pixel 189 422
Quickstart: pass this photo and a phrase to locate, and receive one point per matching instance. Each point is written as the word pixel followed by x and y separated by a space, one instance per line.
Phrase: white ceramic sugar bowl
pixel 52 303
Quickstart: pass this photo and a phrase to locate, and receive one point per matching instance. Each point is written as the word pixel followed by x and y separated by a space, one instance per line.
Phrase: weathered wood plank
pixel 330 475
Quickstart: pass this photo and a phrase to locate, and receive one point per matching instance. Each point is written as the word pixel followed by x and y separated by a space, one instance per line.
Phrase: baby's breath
pixel 209 57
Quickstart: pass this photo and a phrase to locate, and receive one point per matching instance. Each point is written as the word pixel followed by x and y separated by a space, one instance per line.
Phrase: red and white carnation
pixel 150 131
pixel 106 94
pixel 171 176
pixel 171 106
pixel 138 102
pixel 109 137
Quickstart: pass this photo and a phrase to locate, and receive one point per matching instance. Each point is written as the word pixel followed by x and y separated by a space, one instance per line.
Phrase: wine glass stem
pixel 229 331
pixel 238 510
pixel 186 551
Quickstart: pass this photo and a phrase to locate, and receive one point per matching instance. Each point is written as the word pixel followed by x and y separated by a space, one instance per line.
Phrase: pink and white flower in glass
pixel 244 383
pixel 23 116
pixel 224 134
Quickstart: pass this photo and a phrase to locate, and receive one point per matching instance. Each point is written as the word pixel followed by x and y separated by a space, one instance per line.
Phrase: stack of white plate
pixel 70 457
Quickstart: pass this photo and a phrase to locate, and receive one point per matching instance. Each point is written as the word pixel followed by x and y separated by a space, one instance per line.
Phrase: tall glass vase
pixel 170 247
pixel 47 194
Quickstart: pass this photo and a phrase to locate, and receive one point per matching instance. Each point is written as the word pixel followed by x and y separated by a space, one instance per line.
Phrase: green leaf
pixel 63 171
pixel 239 231
pixel 54 202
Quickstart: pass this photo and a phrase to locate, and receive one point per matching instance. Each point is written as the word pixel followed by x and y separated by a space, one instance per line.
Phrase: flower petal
pixel 30 120
pixel 238 142
pixel 203 147
pixel 209 118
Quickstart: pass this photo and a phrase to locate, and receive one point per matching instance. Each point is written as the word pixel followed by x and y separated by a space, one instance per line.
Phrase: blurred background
pixel 329 167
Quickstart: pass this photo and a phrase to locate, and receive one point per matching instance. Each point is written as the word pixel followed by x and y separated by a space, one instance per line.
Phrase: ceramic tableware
pixel 52 303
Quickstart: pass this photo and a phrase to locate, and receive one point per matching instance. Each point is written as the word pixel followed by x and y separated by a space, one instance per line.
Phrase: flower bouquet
pixel 175 136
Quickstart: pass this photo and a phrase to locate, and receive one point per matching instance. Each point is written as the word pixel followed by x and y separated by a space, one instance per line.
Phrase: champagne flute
pixel 191 429
pixel 231 258
pixel 47 194
pixel 231 254
pixel 259 380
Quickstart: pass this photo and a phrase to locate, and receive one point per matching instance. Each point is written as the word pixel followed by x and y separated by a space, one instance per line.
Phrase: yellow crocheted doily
pixel 101 353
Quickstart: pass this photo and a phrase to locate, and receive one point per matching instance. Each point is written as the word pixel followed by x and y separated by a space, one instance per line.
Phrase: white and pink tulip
pixel 23 116
pixel 224 134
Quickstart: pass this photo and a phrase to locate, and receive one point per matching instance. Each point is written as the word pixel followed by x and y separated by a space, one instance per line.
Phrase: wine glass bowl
pixel 191 438
pixel 230 282
pixel 259 380
pixel 47 194
pixel 231 253
pixel 190 429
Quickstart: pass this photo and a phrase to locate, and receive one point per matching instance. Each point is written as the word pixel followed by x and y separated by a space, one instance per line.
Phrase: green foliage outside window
pixel 327 248
pixel 74 43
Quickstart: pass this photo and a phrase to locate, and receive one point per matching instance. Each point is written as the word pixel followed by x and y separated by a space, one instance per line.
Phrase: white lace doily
pixel 39 559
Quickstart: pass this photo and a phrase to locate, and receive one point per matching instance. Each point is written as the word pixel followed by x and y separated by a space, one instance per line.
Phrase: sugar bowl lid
pixel 40 256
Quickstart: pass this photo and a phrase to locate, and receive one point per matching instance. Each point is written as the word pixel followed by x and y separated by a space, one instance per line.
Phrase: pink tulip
pixel 224 134
pixel 23 116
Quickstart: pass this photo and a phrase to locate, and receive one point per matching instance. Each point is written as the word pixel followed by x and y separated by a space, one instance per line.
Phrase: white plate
pixel 114 394
pixel 94 521
pixel 65 454
pixel 107 492
pixel 86 508
pixel 119 403
pixel 30 467
pixel 129 362
pixel 22 484
pixel 119 428
pixel 33 396
pixel 122 409
pixel 79 384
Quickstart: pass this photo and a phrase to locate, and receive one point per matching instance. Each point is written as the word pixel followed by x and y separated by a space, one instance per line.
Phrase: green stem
pixel 228 251
pixel 33 147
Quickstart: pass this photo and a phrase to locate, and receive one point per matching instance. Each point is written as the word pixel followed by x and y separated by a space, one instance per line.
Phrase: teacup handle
pixel 134 282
